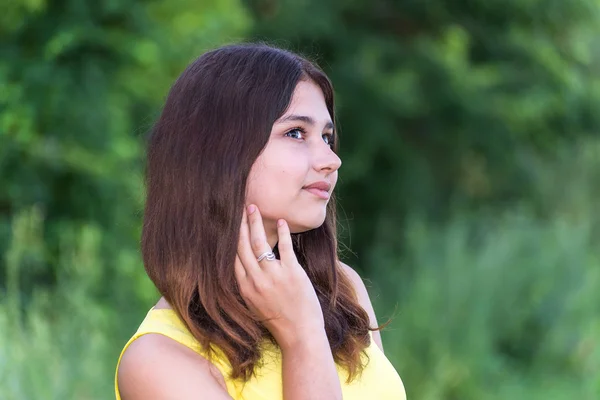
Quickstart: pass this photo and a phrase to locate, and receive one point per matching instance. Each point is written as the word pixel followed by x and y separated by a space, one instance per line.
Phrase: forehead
pixel 308 99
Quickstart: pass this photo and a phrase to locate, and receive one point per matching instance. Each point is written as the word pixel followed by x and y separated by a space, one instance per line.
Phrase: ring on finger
pixel 269 255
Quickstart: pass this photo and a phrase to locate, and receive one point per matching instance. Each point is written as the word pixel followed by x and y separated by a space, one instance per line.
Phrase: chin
pixel 306 224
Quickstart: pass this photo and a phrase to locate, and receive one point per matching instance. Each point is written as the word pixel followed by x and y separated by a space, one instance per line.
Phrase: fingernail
pixel 251 208
pixel 280 222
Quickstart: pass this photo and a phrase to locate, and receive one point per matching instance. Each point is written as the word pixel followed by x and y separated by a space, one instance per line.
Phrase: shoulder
pixel 357 282
pixel 363 299
pixel 351 273
pixel 155 366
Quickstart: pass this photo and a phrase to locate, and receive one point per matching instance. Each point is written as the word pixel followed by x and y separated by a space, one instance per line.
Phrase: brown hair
pixel 216 121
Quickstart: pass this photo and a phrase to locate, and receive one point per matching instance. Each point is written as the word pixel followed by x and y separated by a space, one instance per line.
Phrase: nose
pixel 326 160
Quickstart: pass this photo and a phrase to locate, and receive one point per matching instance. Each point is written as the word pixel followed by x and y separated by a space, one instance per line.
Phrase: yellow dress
pixel 379 380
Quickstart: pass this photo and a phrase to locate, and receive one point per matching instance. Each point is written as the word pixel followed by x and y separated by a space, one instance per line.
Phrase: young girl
pixel 239 238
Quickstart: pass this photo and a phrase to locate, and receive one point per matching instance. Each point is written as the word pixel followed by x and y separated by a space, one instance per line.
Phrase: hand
pixel 278 291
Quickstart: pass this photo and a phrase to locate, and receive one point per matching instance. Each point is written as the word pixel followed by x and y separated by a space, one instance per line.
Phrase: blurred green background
pixel 469 135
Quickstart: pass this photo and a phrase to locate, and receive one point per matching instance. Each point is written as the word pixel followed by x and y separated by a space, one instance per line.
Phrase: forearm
pixel 309 371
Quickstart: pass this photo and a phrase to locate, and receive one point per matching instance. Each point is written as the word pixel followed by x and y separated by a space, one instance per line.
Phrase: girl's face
pixel 295 174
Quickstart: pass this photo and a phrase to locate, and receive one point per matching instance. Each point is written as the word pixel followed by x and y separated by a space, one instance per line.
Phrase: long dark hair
pixel 216 121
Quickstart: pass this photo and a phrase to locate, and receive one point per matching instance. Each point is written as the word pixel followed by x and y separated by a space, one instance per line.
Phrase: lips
pixel 321 185
pixel 320 189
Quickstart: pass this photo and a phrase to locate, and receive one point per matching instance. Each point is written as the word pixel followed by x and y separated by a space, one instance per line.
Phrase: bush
pixel 501 305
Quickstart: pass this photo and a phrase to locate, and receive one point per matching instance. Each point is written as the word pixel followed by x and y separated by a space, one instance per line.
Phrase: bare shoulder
pixel 352 274
pixel 155 366
pixel 357 281
pixel 363 299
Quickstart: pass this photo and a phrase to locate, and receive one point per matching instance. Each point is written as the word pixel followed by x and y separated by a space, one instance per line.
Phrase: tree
pixel 80 84
pixel 440 103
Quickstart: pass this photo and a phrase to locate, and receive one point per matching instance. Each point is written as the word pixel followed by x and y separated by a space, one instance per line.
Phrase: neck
pixel 271 232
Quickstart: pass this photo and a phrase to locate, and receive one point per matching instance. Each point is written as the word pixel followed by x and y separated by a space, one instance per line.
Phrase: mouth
pixel 321 189
pixel 322 194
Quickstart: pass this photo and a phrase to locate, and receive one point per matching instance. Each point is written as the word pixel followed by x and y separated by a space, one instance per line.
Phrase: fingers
pixel 240 271
pixel 286 248
pixel 258 238
pixel 244 252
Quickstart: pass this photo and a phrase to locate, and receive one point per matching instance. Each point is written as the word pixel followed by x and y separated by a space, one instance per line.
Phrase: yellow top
pixel 379 379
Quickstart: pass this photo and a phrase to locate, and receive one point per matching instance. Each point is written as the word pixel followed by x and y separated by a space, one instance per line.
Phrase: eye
pixel 329 138
pixel 295 133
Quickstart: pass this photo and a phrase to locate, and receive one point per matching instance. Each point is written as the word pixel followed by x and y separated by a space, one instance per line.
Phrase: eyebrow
pixel 304 118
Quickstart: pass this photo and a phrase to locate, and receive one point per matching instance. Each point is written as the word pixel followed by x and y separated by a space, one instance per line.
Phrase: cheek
pixel 275 179
pixel 333 178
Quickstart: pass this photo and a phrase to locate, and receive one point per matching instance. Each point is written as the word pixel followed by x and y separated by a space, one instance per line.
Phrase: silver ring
pixel 269 255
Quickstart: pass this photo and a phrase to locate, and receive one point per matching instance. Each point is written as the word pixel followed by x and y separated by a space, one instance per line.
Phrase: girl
pixel 239 238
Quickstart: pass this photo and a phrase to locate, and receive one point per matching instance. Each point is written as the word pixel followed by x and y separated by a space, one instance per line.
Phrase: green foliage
pixel 80 83
pixel 438 101
pixel 501 305
pixel 469 181
pixel 63 346
pixel 486 306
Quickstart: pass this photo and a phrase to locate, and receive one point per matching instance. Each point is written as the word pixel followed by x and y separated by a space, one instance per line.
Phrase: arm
pixel 280 293
pixel 156 367
pixel 311 365
pixel 309 370
pixel 364 300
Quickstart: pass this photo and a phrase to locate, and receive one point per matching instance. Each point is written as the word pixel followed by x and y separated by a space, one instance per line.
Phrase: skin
pixel 298 153
pixel 293 159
